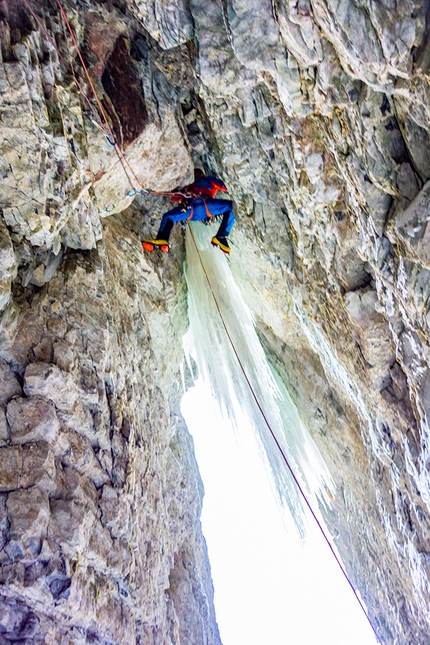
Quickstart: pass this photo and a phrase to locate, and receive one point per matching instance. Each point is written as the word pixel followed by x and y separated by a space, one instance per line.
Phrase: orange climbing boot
pixel 221 243
pixel 150 245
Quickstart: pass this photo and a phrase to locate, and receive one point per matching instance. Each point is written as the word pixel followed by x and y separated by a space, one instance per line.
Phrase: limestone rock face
pixel 100 496
pixel 100 493
pixel 316 115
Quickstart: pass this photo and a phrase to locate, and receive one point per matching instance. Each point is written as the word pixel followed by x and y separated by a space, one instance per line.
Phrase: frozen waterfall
pixel 214 308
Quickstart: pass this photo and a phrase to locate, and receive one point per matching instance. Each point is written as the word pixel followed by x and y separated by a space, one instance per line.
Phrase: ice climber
pixel 197 203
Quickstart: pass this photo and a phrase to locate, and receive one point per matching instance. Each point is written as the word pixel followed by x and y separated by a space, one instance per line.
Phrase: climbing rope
pixel 278 445
pixel 102 124
pixel 111 137
pixel 81 89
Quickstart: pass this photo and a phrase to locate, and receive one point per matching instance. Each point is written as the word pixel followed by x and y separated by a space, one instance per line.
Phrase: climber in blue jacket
pixel 197 203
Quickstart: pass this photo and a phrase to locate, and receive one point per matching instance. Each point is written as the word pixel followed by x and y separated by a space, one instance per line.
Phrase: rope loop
pixel 132 192
pixel 111 140
pixel 145 192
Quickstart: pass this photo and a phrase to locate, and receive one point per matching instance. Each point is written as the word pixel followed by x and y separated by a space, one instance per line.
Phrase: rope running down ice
pixel 284 457
pixel 145 191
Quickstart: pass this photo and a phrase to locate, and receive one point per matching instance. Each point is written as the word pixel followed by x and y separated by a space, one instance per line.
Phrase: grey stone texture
pixel 99 487
pixel 100 496
pixel 316 115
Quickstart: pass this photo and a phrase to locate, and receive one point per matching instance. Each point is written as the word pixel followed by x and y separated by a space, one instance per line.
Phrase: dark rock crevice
pixel 123 86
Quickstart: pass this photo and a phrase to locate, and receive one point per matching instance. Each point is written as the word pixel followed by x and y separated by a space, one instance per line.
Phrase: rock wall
pixel 316 115
pixel 100 495
pixel 320 113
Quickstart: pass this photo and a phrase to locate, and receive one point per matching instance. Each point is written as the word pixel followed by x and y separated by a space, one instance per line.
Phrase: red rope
pixel 63 13
pixel 284 457
pixel 81 89
pixel 98 123
pixel 124 162
pixel 128 170
pixel 118 150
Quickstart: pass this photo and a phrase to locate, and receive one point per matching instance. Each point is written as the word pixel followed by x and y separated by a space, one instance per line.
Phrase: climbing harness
pixel 278 445
pixel 208 213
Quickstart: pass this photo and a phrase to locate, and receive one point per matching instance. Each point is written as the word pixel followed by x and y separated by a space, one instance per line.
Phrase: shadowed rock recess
pixel 316 115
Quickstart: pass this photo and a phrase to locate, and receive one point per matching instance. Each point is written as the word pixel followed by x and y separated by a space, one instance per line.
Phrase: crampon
pixel 151 245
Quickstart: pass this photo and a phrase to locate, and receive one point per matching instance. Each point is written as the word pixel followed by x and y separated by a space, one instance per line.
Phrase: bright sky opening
pixel 269 588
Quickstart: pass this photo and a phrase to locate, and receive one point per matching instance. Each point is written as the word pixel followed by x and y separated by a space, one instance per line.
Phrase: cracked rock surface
pixel 100 494
pixel 316 115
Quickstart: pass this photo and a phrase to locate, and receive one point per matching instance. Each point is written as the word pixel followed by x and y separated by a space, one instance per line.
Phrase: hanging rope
pixel 84 67
pixel 101 122
pixel 111 137
pixel 61 57
pixel 284 457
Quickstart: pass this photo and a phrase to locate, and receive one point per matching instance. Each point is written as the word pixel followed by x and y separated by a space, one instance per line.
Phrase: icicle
pixel 218 365
pixel 181 369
